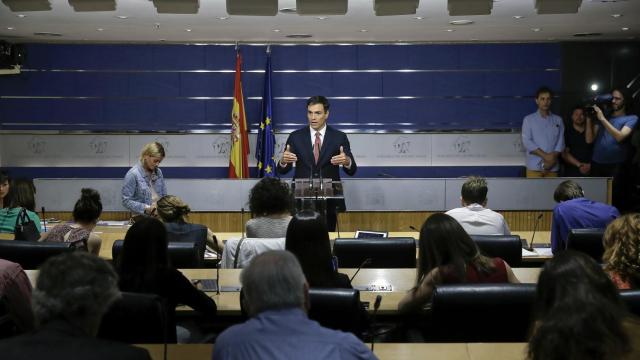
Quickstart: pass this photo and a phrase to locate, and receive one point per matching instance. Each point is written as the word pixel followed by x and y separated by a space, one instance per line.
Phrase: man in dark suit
pixel 72 294
pixel 319 151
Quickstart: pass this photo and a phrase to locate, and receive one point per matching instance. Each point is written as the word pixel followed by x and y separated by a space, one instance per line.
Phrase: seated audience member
pixel 144 184
pixel 473 216
pixel 276 296
pixel 144 267
pixel 72 293
pixel 449 256
pixel 270 203
pixel 578 141
pixel 174 213
pixel 15 295
pixel 308 239
pixel 5 180
pixel 86 213
pixel 21 196
pixel 574 211
pixel 579 314
pixel 622 251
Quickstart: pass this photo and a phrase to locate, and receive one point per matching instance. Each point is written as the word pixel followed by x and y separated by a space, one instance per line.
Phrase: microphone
pixel 376 306
pixel 337 222
pixel 44 220
pixel 218 278
pixel 535 227
pixel 242 221
pixel 413 228
pixel 366 261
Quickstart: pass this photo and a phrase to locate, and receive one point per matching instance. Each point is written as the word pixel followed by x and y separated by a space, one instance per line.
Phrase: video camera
pixel 602 99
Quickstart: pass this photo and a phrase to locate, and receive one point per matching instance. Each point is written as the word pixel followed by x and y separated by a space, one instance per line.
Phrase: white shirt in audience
pixel 477 220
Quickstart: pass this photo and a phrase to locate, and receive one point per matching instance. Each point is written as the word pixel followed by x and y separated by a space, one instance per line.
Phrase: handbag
pixel 26 228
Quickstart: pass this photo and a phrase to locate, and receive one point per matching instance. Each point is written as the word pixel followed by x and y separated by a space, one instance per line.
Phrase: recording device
pixel 366 261
pixel 376 306
pixel 44 221
pixel 535 227
pixel 602 99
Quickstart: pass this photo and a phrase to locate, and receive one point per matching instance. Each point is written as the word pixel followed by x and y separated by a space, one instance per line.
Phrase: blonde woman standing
pixel 144 185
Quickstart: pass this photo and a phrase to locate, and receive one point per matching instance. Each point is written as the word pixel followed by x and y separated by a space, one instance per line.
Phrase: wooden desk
pixel 391 351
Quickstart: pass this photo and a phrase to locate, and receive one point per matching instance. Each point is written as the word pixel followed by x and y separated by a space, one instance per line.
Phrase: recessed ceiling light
pixel 518 17
pixel 594 87
pixel 535 29
pixel 122 17
pixel 461 22
pixel 223 17
pixel 188 30
pixel 321 17
pixel 22 16
pixel 299 36
pixel 625 29
pixel 99 29
pixel 276 30
pixel 418 17
pixel 450 30
pixel 364 30
pixel 288 10
pixel 11 28
pixel 616 15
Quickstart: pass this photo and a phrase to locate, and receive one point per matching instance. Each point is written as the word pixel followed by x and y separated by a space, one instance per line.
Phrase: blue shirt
pixel 136 189
pixel 545 133
pixel 606 150
pixel 579 213
pixel 287 334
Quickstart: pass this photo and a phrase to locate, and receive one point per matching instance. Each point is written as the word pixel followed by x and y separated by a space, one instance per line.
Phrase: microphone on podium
pixel 535 227
pixel 366 261
pixel 413 228
pixel 376 306
pixel 44 220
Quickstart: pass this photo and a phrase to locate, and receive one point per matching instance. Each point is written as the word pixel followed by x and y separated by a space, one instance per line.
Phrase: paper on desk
pixel 537 252
pixel 113 223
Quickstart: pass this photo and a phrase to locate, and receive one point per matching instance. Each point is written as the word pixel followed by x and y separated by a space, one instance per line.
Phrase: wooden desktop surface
pixel 401 280
pixel 384 351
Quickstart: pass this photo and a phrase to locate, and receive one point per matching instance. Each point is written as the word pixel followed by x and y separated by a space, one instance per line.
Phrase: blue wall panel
pixel 181 87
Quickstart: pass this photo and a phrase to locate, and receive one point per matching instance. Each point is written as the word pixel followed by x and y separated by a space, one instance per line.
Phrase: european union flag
pixel 265 145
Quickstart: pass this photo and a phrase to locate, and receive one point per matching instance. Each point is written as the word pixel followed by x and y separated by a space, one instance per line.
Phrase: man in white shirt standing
pixel 473 216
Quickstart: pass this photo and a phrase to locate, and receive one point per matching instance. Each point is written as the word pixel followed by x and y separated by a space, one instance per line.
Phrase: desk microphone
pixel 535 227
pixel 413 228
pixel 376 306
pixel 218 278
pixel 366 261
pixel 337 222
pixel 44 220
pixel 242 222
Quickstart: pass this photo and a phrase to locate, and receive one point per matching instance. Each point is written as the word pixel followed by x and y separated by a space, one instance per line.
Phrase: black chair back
pixel 631 298
pixel 179 232
pixel 183 255
pixel 31 254
pixel 507 247
pixel 481 313
pixel 588 241
pixel 138 319
pixel 338 309
pixel 395 252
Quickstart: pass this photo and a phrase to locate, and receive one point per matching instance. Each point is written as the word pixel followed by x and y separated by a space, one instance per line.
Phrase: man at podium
pixel 318 152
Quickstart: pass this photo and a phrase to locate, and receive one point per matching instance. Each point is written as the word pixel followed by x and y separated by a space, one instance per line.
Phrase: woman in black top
pixel 308 239
pixel 143 267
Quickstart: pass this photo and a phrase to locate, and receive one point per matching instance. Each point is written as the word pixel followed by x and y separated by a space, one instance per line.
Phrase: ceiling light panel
pixel 252 7
pixel 93 5
pixel 469 7
pixel 324 7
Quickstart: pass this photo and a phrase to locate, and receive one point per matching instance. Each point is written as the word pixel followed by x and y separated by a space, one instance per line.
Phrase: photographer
pixel 610 149
pixel 578 139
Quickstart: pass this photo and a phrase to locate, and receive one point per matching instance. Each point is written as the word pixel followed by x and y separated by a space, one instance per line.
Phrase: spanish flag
pixel 238 163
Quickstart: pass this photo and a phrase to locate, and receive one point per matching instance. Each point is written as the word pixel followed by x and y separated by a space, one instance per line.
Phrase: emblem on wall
pixel 462 144
pixel 37 145
pixel 98 145
pixel 402 145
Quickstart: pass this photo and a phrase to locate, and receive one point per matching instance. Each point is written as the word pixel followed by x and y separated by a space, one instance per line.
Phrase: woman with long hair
pixel 143 267
pixel 86 213
pixel 579 314
pixel 21 195
pixel 621 256
pixel 448 255
pixel 174 212
pixel 308 239
pixel 270 204
pixel 144 183
pixel 5 181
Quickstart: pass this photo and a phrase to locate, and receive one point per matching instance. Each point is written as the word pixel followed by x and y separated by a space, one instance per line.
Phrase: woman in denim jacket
pixel 144 184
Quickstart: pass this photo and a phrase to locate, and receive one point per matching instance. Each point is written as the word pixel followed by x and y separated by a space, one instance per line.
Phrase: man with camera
pixel 578 140
pixel 610 150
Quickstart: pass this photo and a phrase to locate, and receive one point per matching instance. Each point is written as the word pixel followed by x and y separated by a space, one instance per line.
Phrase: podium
pixel 318 194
